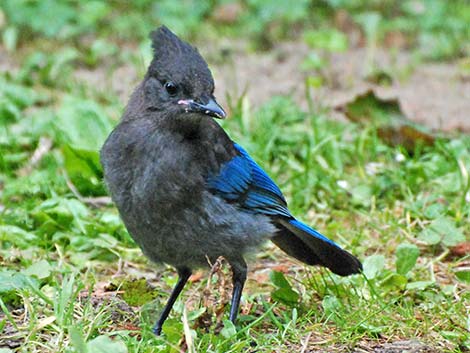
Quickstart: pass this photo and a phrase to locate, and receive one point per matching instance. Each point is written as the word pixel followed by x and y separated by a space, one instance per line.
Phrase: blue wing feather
pixel 309 230
pixel 243 181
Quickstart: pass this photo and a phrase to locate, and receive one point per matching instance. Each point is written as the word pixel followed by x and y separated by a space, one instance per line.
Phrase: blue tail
pixel 309 246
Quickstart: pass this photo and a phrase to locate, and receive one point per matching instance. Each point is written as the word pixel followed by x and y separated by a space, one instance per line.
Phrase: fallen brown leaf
pixel 281 268
pixel 460 250
pixel 368 109
pixel 196 277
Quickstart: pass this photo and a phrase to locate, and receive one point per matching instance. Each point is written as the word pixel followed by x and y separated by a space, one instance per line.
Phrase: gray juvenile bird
pixel 185 191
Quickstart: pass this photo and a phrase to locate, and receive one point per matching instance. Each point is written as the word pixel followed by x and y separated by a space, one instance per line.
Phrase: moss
pixel 137 292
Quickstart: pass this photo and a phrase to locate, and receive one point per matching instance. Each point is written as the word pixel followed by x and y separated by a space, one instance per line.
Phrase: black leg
pixel 183 274
pixel 239 278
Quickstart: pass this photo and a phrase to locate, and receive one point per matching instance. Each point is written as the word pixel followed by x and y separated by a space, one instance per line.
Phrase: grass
pixel 71 276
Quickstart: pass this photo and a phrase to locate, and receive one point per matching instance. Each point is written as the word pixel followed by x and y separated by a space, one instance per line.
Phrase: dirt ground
pixel 434 94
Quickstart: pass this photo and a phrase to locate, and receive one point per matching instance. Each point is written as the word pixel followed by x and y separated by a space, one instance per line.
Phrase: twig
pixel 44 146
pixel 93 201
pixel 305 344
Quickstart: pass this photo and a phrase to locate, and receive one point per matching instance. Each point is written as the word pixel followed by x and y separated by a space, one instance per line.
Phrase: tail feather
pixel 295 247
pixel 307 245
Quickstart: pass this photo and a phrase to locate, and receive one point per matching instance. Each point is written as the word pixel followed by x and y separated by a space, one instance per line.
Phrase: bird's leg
pixel 239 278
pixel 183 274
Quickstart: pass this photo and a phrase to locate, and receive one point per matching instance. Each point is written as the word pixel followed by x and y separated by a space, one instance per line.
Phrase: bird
pixel 186 192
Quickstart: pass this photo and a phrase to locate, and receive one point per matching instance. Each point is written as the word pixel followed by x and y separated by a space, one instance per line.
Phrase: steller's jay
pixel 186 192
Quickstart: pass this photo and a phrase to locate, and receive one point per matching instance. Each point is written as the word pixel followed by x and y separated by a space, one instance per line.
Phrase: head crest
pixel 177 60
pixel 165 42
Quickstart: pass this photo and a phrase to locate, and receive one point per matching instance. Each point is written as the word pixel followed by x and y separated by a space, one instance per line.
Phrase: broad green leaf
pixel 453 238
pixel 83 127
pixel 104 344
pixel 10 234
pixel 193 315
pixel 9 112
pixel 463 276
pixel 229 329
pixel 172 329
pixel 443 230
pixel 361 195
pixel 84 169
pixel 429 236
pixel 11 282
pixel 373 266
pixel 446 228
pixel 83 124
pixel 435 210
pixel 105 241
pixel 406 254
pixel 62 211
pixel 18 94
pixel 419 285
pixel 112 221
pixel 41 269
pixel 284 292
pixel 14 98
pixel 394 281
pixel 332 306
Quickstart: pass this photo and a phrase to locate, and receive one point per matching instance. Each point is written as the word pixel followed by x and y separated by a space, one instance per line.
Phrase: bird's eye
pixel 171 88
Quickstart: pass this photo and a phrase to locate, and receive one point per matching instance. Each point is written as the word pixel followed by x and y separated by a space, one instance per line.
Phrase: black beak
pixel 211 108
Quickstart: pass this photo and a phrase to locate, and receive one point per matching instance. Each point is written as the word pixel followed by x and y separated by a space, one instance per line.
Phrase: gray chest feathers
pixel 159 189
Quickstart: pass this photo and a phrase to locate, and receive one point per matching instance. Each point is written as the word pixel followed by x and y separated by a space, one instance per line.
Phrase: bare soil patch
pixel 434 94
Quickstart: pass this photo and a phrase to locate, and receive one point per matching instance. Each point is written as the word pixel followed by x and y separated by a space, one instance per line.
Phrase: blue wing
pixel 243 181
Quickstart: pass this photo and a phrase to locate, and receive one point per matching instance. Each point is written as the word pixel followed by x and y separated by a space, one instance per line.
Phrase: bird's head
pixel 178 81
